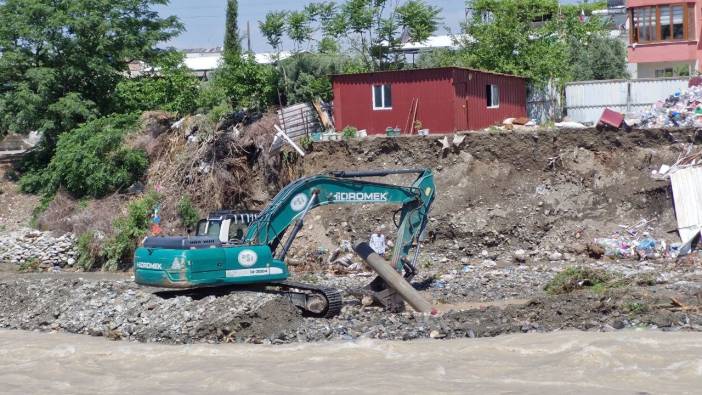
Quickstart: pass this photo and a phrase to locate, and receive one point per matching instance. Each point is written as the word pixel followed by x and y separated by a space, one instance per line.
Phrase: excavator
pixel 248 249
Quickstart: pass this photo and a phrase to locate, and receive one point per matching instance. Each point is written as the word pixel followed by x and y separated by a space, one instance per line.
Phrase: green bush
pixel 349 132
pixel 187 213
pixel 129 231
pixel 174 89
pixel 90 252
pixel 574 278
pixel 39 210
pixel 91 160
pixel 244 83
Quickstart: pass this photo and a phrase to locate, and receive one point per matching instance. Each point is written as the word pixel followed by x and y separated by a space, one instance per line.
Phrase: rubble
pixel 34 249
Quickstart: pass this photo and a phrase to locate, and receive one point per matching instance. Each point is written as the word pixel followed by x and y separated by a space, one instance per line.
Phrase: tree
pixel 273 28
pixel 174 88
pixel 599 58
pixel 299 29
pixel 232 42
pixel 245 83
pixel 420 19
pixel 371 28
pixel 531 38
pixel 91 160
pixel 62 59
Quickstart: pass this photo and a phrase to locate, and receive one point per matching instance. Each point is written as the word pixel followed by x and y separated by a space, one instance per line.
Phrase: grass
pixel 635 307
pixel 575 278
pixel 30 265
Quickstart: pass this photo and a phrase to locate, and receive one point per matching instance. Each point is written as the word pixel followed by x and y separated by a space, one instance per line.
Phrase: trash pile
pixel 634 242
pixel 682 109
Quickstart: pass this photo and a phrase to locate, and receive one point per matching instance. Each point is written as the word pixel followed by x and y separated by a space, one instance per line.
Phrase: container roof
pixel 426 69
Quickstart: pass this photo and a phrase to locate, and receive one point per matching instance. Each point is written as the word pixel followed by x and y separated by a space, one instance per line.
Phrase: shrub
pixel 187 213
pixel 129 231
pixel 245 83
pixel 40 209
pixel 574 278
pixel 349 132
pixel 90 251
pixel 30 265
pixel 91 160
pixel 174 89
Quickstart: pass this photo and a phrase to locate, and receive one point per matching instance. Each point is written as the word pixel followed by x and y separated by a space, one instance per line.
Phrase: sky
pixel 204 19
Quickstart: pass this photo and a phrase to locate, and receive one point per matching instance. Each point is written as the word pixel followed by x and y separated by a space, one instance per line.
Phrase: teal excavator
pixel 247 249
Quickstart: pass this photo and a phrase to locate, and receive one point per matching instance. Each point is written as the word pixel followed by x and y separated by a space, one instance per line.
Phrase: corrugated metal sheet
pixel 450 99
pixel 586 100
pixel 297 121
pixel 687 194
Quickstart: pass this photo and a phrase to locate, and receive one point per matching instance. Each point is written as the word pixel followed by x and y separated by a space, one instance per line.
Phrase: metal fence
pixel 585 100
pixel 544 103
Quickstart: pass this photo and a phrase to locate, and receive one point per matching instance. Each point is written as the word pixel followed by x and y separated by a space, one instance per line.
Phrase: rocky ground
pixel 512 210
pixel 483 301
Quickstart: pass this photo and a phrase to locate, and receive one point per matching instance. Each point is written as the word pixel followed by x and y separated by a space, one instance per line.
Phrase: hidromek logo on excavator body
pixel 361 197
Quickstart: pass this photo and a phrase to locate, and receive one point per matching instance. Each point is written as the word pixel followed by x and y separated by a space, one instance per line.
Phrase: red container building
pixel 446 99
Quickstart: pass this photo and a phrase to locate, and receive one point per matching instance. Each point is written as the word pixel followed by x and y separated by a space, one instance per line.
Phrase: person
pixel 377 241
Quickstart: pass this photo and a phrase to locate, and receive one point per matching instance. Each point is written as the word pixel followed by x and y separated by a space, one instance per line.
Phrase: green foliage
pixel 574 278
pixel 30 265
pixel 635 307
pixel 328 46
pixel 306 143
pixel 61 60
pixel 439 57
pixel 531 38
pixel 371 28
pixel 129 231
pixel 232 41
pixel 40 209
pixel 91 160
pixel 349 132
pixel 600 57
pixel 187 213
pixel 298 27
pixel 273 28
pixel 90 252
pixel 173 89
pixel 420 19
pixel 243 83
pixel 307 76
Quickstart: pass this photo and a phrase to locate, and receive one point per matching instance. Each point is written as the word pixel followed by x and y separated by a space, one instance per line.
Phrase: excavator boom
pixel 349 188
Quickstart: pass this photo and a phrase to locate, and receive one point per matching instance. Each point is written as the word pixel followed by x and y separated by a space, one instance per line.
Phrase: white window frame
pixel 382 106
pixel 494 93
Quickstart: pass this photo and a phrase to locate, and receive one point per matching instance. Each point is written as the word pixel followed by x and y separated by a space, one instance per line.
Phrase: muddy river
pixel 556 363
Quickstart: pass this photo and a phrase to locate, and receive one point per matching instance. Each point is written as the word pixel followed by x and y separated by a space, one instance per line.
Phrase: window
pixel 667 72
pixel 492 92
pixel 667 22
pixel 382 97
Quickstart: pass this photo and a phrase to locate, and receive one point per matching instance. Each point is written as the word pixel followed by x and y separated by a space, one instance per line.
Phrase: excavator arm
pixel 294 201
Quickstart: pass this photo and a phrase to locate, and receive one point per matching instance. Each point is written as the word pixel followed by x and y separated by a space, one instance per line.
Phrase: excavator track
pixel 331 296
pixel 313 300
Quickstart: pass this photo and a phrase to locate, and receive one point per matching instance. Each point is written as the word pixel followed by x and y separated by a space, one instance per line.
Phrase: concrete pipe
pixel 393 278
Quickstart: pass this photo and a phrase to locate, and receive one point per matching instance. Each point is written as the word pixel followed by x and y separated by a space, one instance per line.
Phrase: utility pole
pixel 248 36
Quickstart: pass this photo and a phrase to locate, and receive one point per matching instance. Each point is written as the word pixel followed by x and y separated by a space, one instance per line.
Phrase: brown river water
pixel 631 362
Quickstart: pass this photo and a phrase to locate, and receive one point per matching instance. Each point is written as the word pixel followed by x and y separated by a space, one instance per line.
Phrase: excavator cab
pixel 227 226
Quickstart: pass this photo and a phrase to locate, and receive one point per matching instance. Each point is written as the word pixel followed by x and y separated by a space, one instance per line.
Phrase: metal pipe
pixel 393 278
